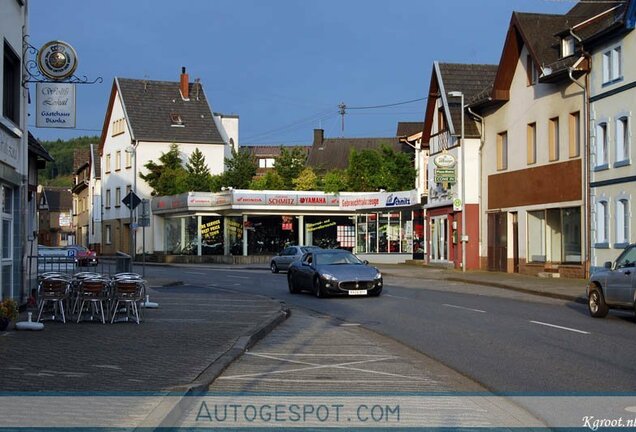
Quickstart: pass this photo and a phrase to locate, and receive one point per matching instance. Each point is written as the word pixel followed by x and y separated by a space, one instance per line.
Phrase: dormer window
pixel 567 46
pixel 176 120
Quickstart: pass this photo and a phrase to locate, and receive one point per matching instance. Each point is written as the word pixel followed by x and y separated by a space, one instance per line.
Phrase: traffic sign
pixel 143 221
pixel 131 200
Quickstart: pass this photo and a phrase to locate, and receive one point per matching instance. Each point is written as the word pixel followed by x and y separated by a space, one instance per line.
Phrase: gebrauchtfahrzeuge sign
pixel 55 105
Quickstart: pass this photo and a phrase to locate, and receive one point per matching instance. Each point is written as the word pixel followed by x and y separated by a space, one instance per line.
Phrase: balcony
pixel 440 141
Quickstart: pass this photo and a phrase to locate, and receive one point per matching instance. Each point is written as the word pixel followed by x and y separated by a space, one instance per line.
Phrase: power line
pixel 342 108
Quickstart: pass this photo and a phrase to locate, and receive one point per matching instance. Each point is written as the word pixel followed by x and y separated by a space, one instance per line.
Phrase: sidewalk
pixel 560 288
pixel 181 346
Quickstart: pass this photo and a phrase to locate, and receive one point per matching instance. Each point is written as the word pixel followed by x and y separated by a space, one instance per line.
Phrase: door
pixel 497 241
pixel 515 242
pixel 439 238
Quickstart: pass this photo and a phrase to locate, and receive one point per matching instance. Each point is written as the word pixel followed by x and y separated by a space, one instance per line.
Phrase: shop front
pixel 209 227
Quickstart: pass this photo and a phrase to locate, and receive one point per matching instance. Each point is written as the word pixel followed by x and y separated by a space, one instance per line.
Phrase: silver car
pixel 283 260
pixel 614 286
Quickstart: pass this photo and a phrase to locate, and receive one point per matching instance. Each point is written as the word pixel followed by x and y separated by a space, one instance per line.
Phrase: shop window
pixel 372 225
pixel 212 235
pixel 181 235
pixel 406 232
pixel 536 236
pixel 554 235
pixel 362 234
pixel 383 233
pixel 235 230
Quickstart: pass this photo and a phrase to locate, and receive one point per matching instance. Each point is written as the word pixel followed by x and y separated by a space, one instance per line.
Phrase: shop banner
pixel 204 199
pixel 380 200
pixel 246 198
pixel 55 105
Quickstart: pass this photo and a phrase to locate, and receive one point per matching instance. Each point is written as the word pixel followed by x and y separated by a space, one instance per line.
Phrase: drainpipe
pixel 482 139
pixel 586 162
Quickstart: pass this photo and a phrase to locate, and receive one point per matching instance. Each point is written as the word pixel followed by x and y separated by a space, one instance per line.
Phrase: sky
pixel 282 66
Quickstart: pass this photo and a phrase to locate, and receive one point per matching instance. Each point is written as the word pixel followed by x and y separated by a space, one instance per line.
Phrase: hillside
pixel 60 171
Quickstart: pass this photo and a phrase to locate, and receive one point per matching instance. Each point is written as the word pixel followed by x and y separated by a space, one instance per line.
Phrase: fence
pixel 107 265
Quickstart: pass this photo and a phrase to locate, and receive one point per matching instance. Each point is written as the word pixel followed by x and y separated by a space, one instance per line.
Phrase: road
pixel 506 341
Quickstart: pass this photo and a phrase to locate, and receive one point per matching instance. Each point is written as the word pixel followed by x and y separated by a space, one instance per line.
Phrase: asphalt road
pixel 506 341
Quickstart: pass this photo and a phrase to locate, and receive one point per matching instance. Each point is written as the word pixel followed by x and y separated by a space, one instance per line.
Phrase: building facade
pixel 142 120
pixel 612 104
pixel 87 198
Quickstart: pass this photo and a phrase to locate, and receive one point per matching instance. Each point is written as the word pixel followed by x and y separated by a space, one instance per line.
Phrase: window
pixel 601 145
pixel 622 140
pixel 502 151
pixel 574 135
pixel 118 127
pixel 553 139
pixel 108 235
pixel 622 223
pixel 532 143
pixel 602 224
pixel 554 235
pixel 118 160
pixel 117 197
pixel 107 203
pixel 567 46
pixel 612 65
pixel 128 159
pixel 266 162
pixel 176 120
pixel 531 71
pixel 107 167
pixel 11 85
pixel 128 189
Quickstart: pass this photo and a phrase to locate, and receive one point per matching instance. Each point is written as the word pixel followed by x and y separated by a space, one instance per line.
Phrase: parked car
pixel 283 260
pixel 333 271
pixel 82 255
pixel 614 286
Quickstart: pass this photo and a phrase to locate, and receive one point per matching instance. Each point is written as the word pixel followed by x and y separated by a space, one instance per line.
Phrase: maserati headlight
pixel 378 275
pixel 329 277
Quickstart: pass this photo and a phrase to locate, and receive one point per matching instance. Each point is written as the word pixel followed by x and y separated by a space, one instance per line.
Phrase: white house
pixel 610 40
pixel 142 120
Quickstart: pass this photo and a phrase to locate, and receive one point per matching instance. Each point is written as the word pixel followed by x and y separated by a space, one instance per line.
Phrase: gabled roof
pixel 81 159
pixel 541 35
pixel 471 80
pixel 58 198
pixel 36 148
pixel 406 129
pixel 151 108
pixel 333 153
pixel 271 150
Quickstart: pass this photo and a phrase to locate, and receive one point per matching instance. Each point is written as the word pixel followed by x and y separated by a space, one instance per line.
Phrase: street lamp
pixel 132 150
pixel 464 237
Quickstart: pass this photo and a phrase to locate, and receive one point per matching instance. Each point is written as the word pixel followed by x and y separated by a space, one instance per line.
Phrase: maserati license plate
pixel 357 292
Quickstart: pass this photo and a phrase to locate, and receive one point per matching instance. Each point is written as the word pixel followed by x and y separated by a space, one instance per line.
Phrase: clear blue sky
pixel 282 65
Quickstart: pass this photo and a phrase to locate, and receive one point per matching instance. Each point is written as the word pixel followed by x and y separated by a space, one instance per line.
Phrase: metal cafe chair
pixel 129 293
pixel 53 290
pixel 75 286
pixel 94 291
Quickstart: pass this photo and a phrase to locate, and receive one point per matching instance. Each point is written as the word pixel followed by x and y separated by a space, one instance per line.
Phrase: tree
pixel 334 181
pixel 199 177
pixel 239 171
pixel 270 181
pixel 372 170
pixel 167 177
pixel 59 172
pixel 307 180
pixel 289 164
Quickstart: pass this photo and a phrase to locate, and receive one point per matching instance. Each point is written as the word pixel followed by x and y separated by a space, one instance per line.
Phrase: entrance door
pixel 439 238
pixel 497 241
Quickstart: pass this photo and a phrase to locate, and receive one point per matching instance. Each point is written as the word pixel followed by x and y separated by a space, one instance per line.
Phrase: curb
pixel 174 409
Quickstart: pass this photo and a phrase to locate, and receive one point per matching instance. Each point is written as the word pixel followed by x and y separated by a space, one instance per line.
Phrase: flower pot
pixel 4 323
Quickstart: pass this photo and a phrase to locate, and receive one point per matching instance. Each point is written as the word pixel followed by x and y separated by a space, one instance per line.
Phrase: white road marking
pixel 464 308
pixel 394 296
pixel 237 277
pixel 195 273
pixel 349 325
pixel 559 327
pixel 315 366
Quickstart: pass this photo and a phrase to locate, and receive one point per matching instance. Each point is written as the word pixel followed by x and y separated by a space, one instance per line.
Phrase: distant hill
pixel 60 171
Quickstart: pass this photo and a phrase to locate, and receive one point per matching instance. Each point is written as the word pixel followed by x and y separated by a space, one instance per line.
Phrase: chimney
pixel 185 84
pixel 319 137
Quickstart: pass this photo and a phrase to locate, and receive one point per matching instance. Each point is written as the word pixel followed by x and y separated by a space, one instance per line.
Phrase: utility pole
pixel 342 110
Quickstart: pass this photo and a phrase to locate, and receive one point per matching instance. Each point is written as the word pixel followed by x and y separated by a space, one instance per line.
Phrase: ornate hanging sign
pixel 57 60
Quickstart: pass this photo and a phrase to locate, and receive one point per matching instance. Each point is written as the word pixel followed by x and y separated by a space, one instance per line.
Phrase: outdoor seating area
pixel 90 297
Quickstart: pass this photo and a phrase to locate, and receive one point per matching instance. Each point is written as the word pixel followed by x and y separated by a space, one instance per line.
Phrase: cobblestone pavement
pixel 174 344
